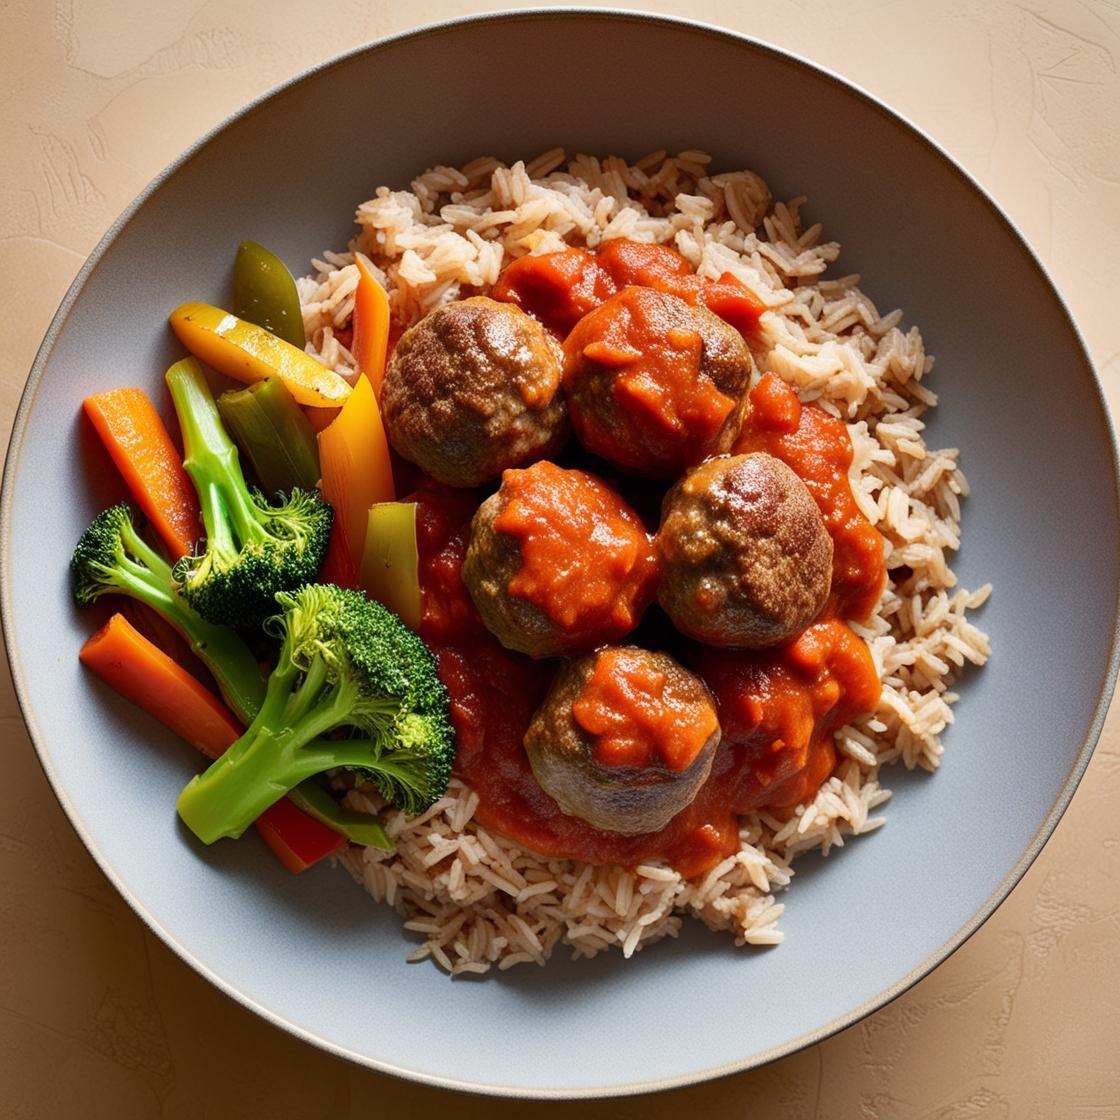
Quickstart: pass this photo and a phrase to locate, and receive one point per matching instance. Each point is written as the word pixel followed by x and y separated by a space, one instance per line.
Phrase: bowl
pixel 1018 395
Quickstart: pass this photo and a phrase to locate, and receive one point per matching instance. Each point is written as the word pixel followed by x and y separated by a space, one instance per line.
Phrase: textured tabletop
pixel 99 1020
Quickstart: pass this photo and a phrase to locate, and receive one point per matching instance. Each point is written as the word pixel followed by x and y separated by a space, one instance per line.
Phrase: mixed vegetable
pixel 316 679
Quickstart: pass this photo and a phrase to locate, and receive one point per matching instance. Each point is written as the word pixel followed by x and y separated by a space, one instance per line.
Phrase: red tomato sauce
pixel 560 288
pixel 633 722
pixel 665 414
pixel 586 560
pixel 778 709
pixel 817 448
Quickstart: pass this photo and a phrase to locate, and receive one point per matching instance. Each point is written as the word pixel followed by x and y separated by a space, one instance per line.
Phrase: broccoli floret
pixel 112 557
pixel 346 663
pixel 253 549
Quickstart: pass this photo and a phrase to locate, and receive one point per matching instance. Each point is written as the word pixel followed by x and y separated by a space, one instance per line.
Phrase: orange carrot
pixel 163 636
pixel 338 565
pixel 357 473
pixel 122 657
pixel 371 325
pixel 137 441
pixel 144 674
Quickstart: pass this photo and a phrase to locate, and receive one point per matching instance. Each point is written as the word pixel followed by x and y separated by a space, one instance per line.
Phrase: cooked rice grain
pixel 479 900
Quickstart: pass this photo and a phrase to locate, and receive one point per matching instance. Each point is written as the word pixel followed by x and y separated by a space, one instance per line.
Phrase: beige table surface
pixel 98 1019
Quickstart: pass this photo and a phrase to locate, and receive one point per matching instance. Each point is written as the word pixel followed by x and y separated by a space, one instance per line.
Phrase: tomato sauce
pixel 665 411
pixel 560 288
pixel 586 560
pixel 624 707
pixel 778 709
pixel 817 448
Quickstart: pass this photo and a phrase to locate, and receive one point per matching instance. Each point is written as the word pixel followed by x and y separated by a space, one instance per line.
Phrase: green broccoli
pixel 112 557
pixel 345 662
pixel 253 549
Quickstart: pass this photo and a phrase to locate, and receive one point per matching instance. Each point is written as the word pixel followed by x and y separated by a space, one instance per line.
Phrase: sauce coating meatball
pixel 745 557
pixel 472 389
pixel 557 562
pixel 624 740
pixel 655 384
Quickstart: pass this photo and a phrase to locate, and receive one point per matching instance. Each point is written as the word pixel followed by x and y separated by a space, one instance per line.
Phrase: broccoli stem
pixel 229 659
pixel 259 769
pixel 211 460
pixel 358 828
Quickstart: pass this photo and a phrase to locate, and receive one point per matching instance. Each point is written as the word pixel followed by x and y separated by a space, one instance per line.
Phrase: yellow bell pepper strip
pixel 390 571
pixel 371 326
pixel 138 443
pixel 249 353
pixel 274 434
pixel 265 293
pixel 356 471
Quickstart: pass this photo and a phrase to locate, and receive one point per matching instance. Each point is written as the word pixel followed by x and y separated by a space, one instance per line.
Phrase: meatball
pixel 472 389
pixel 624 740
pixel 746 560
pixel 557 562
pixel 655 384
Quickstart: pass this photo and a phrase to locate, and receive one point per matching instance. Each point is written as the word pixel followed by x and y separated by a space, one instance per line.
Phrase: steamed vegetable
pixel 313 799
pixel 144 674
pixel 357 473
pixel 253 549
pixel 265 293
pixel 138 443
pixel 112 558
pixel 122 657
pixel 345 664
pixel 371 325
pixel 275 435
pixel 390 570
pixel 297 840
pixel 249 353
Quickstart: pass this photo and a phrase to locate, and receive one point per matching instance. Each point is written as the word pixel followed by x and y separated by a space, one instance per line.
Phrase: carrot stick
pixel 144 674
pixel 137 441
pixel 371 325
pixel 338 565
pixel 357 473
pixel 122 657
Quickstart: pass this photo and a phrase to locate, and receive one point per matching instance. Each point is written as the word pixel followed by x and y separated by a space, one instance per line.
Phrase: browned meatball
pixel 557 562
pixel 746 560
pixel 655 384
pixel 624 740
pixel 472 389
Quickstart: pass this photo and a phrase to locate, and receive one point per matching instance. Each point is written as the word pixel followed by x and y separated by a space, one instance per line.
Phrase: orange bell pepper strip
pixel 371 326
pixel 357 473
pixel 144 674
pixel 139 445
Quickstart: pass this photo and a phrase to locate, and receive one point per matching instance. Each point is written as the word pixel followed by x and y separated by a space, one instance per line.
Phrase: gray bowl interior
pixel 1019 398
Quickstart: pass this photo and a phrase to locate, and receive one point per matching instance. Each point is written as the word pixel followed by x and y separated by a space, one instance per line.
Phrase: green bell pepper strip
pixel 274 434
pixel 265 293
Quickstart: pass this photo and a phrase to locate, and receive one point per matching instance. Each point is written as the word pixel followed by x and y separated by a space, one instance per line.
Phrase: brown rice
pixel 479 900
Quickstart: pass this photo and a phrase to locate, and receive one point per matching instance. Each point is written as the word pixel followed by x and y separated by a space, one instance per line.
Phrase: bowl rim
pixel 758 1058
